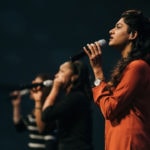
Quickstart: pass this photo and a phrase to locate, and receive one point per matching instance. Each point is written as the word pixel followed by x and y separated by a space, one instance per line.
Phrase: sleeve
pixel 21 125
pixel 65 107
pixel 118 102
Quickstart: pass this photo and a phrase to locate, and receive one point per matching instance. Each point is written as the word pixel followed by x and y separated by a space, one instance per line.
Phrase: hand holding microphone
pixel 46 83
pixel 25 89
pixel 100 43
pixel 94 53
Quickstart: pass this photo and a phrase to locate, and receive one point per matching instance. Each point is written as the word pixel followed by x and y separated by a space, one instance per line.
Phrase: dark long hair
pixel 83 81
pixel 136 21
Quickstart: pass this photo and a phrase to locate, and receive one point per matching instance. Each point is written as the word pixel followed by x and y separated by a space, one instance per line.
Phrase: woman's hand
pixel 94 54
pixel 17 100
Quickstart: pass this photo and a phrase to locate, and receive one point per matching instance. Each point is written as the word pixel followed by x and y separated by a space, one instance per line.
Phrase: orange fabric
pixel 127 109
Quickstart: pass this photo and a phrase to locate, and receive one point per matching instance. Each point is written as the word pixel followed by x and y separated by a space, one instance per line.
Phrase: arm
pixel 16 107
pixel 65 106
pixel 50 100
pixel 37 97
pixel 17 118
pixel 118 101
pixel 38 116
pixel 53 95
pixel 122 97
pixel 59 104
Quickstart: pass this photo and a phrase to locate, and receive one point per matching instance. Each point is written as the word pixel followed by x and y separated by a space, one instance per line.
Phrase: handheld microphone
pixel 101 42
pixel 21 93
pixel 46 83
pixel 25 89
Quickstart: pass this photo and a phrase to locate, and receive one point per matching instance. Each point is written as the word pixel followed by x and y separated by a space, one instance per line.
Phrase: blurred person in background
pixel 69 102
pixel 42 136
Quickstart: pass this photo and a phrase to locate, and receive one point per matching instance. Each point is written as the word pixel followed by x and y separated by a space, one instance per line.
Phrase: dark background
pixel 38 35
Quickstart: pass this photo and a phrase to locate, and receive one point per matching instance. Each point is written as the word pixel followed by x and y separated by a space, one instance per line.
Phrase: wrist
pixel 38 108
pixel 38 105
pixel 38 101
pixel 98 73
pixel 16 106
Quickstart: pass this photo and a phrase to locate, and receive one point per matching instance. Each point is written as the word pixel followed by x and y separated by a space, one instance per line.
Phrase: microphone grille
pixel 24 92
pixel 102 42
pixel 48 83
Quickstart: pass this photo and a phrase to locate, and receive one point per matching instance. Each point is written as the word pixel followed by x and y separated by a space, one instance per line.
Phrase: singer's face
pixel 64 74
pixel 119 36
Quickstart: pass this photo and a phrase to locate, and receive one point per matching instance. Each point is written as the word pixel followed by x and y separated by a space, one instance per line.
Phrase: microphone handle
pixel 21 93
pixel 101 42
pixel 30 86
pixel 78 56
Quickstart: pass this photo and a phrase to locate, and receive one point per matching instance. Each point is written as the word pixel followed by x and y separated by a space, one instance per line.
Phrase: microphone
pixel 46 83
pixel 101 42
pixel 25 89
pixel 21 93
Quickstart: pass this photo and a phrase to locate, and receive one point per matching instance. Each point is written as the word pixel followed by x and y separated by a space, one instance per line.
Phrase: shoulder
pixel 138 63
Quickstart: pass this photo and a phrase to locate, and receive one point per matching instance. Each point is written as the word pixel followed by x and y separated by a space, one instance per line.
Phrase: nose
pixel 111 31
pixel 56 75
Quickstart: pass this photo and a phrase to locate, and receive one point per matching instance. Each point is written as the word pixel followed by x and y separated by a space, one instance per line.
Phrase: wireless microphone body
pixel 101 42
pixel 46 83
pixel 21 93
pixel 25 89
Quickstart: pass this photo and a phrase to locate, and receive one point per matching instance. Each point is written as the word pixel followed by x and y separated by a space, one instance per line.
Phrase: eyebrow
pixel 118 23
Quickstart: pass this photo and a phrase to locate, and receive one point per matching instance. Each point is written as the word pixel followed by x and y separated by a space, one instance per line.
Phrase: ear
pixel 133 35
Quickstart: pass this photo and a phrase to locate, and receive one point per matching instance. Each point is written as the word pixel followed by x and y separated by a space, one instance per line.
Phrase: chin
pixel 110 43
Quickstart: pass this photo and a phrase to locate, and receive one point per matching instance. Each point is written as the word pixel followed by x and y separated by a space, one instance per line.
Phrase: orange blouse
pixel 127 109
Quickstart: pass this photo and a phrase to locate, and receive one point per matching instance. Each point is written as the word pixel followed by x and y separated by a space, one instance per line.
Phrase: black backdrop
pixel 38 35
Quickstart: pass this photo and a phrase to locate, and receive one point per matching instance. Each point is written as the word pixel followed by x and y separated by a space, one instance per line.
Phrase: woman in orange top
pixel 125 100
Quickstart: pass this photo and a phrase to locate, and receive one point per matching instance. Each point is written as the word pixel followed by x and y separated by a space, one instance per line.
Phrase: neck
pixel 126 50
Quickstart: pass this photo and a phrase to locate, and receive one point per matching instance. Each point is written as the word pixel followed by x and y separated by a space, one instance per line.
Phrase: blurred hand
pixel 17 98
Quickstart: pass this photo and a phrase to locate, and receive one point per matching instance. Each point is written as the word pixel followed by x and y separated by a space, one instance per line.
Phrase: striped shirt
pixel 37 141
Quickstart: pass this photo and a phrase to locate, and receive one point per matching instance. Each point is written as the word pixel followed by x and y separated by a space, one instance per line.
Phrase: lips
pixel 111 37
